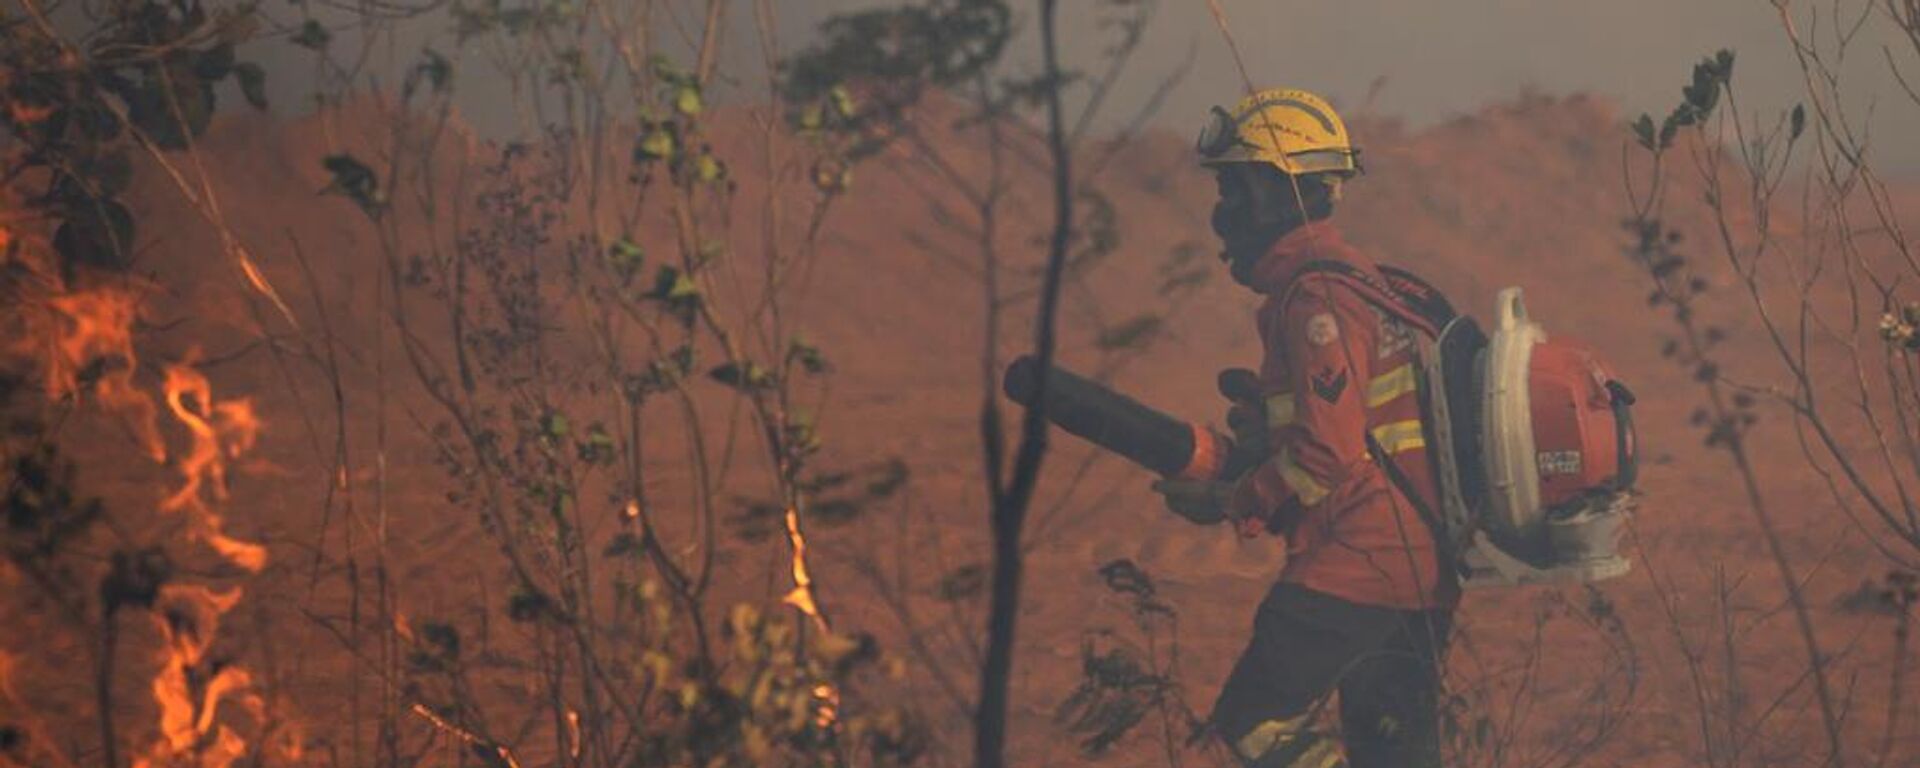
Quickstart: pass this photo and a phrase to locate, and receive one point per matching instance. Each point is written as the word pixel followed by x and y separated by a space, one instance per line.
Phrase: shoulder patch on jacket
pixel 1330 384
pixel 1322 329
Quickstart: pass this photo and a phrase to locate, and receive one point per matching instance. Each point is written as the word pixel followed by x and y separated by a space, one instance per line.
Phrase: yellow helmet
pixel 1296 131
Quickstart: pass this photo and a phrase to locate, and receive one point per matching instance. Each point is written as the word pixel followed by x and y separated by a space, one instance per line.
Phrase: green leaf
pixel 709 252
pixel 708 170
pixel 808 356
pixel 1643 130
pixel 356 181
pixel 436 70
pixel 598 447
pixel 625 257
pixel 810 119
pixel 1797 124
pixel 686 100
pixel 842 101
pixel 656 144
pixel 527 605
pixel 214 63
pixel 312 36
pixel 253 83
pixel 670 283
pixel 172 104
pixel 663 373
pixel 667 71
pixel 743 375
pixel 442 637
pixel 1671 126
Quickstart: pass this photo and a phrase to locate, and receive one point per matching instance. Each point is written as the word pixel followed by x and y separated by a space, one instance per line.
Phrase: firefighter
pixel 1363 604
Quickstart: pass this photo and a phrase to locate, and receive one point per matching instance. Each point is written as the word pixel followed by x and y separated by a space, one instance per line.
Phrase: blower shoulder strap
pixel 1394 291
pixel 1408 298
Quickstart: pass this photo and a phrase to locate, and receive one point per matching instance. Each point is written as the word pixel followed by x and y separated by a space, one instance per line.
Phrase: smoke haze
pixel 1414 59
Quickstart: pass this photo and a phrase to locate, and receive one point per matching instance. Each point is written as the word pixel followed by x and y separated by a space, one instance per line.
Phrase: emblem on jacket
pixel 1395 336
pixel 1322 329
pixel 1329 384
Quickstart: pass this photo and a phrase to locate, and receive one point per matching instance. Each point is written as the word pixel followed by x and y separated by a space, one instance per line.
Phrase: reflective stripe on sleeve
pixel 1388 386
pixel 1304 485
pixel 1324 753
pixel 1280 410
pixel 1400 436
pixel 1270 735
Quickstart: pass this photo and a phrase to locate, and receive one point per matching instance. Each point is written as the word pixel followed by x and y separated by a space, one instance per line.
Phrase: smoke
pixel 1417 60
pixel 1433 61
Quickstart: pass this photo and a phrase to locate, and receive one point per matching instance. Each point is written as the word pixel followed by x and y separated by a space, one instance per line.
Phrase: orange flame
pixel 802 596
pixel 827 706
pixel 826 698
pixel 189 689
pixel 188 617
pixel 222 431
pixel 465 736
pixel 90 348
pixel 79 337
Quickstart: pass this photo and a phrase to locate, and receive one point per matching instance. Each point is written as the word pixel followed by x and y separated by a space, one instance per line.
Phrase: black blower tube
pixel 1106 418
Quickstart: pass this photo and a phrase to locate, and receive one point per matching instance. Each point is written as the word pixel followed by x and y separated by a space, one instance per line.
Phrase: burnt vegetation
pixel 577 359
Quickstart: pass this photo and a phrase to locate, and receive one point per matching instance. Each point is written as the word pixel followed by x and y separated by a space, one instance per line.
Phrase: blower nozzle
pixel 1120 424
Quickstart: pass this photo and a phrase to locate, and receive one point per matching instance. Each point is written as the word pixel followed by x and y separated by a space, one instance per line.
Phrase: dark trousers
pixel 1306 644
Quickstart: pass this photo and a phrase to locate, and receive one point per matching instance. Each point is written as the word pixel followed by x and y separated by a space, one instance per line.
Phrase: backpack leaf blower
pixel 1533 439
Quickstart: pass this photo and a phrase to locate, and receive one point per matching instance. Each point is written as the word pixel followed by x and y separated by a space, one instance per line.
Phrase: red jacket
pixel 1335 368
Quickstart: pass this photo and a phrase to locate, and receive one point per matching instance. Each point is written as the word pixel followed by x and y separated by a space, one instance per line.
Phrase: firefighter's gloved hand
pixel 1248 415
pixel 1202 502
pixel 1246 418
pixel 1248 422
pixel 1248 507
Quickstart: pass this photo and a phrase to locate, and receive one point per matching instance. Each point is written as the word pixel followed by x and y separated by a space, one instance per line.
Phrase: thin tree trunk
pixel 1010 502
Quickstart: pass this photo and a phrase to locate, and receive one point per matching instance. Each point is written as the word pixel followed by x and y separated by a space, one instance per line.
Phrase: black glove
pixel 1201 502
pixel 1246 418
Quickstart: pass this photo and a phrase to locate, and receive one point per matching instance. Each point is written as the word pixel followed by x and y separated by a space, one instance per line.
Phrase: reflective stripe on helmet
pixel 1326 123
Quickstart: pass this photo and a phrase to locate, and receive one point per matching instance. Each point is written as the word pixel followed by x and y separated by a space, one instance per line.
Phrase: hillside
pixel 1525 193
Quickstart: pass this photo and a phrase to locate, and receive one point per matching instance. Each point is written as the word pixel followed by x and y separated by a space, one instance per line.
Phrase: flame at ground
pixel 188 617
pixel 190 686
pixel 78 334
pixel 802 595
pixel 826 698
pixel 221 431
pixel 86 347
pixel 77 331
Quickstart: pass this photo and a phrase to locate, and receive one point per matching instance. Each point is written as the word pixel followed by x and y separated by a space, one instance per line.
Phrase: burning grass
pixel 75 336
